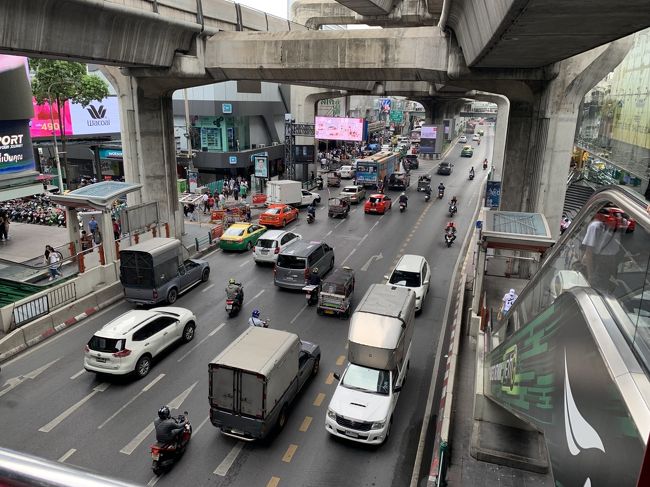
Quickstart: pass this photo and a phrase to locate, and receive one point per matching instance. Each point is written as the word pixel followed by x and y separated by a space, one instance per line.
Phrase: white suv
pixel 271 243
pixel 131 341
pixel 413 272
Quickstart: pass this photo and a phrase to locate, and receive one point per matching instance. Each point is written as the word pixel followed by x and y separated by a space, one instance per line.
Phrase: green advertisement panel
pixel 397 116
pixel 551 374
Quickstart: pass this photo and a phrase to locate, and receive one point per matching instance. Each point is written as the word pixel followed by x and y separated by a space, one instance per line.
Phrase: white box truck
pixel 289 193
pixel 379 351
pixel 256 378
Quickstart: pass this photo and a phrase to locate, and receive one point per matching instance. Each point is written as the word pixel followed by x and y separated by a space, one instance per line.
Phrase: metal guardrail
pixel 42 305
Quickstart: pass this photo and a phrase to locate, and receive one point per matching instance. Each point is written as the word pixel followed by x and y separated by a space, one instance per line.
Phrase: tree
pixel 60 81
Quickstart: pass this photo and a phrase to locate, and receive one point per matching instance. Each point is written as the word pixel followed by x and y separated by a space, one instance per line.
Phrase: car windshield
pixel 349 190
pixel 291 262
pixel 106 345
pixel 365 379
pixel 404 278
pixel 374 200
pixel 234 232
pixel 273 211
pixel 265 243
pixel 444 164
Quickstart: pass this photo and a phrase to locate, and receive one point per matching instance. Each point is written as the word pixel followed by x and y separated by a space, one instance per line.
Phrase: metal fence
pixel 42 305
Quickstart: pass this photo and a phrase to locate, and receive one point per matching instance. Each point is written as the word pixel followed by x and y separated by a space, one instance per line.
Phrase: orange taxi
pixel 278 215
pixel 378 203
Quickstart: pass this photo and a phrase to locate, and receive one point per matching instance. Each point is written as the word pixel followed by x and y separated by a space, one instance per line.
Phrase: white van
pixel 413 272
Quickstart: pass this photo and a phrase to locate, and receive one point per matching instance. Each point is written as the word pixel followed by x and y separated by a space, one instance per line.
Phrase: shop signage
pixel 110 154
pixel 226 107
pixel 193 179
pixel 16 154
pixel 232 159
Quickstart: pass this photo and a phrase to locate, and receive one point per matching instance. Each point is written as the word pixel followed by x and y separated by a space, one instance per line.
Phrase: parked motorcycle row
pixel 39 210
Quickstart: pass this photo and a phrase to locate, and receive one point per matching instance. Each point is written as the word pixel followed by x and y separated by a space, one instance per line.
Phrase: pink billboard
pixel 337 128
pixel 41 125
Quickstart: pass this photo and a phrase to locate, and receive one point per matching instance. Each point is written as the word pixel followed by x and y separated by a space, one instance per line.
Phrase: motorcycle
pixel 471 176
pixel 310 218
pixel 311 294
pixel 485 164
pixel 233 305
pixel 449 238
pixel 319 182
pixel 164 456
pixel 427 197
pixel 402 206
pixel 452 209
pixel 441 194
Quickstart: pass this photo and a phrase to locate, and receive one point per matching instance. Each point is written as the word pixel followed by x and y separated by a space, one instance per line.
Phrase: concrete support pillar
pixel 72 223
pixel 148 145
pixel 541 129
pixel 108 240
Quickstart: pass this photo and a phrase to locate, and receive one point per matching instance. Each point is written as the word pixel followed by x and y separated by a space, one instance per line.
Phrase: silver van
pixel 154 271
pixel 296 262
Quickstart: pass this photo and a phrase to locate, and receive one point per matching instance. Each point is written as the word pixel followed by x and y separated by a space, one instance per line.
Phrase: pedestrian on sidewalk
pixel 86 241
pixel 4 227
pixel 222 201
pixel 243 190
pixel 205 198
pixel 93 225
pixel 211 202
pixel 116 229
pixel 508 300
pixel 52 258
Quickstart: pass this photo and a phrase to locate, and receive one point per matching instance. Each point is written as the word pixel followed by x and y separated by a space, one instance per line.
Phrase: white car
pixel 476 137
pixel 413 272
pixel 462 139
pixel 346 172
pixel 309 197
pixel 130 342
pixel 270 244
pixel 355 193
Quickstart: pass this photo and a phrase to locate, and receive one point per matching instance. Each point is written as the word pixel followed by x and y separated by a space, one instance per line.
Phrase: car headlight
pixel 378 425
pixel 331 414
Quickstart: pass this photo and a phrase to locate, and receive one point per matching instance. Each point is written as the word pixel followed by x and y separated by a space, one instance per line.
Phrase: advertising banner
pixel 493 194
pixel 16 154
pixel 100 117
pixel 261 166
pixel 333 128
pixel 385 105
pixel 42 122
pixel 551 373
pixel 429 132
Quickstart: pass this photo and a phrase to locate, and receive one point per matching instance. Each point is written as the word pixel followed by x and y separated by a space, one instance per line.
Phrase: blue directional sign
pixel 226 107
pixel 232 159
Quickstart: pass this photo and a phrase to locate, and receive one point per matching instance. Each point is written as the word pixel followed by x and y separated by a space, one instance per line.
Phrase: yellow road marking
pixel 340 360
pixel 319 399
pixel 305 423
pixel 289 453
pixel 330 378
pixel 274 482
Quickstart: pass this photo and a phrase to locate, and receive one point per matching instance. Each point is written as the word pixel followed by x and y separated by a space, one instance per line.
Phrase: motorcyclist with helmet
pixel 314 280
pixel 235 291
pixel 471 172
pixel 403 199
pixel 311 210
pixel 255 320
pixel 451 229
pixel 168 429
pixel 441 190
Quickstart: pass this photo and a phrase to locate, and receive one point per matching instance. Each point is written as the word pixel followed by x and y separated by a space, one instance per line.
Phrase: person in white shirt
pixel 508 300
pixel 602 244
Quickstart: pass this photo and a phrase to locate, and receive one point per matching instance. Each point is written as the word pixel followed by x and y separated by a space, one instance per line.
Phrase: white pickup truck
pixel 290 193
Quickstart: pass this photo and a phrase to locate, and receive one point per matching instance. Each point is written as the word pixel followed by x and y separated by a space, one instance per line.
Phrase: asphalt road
pixel 51 408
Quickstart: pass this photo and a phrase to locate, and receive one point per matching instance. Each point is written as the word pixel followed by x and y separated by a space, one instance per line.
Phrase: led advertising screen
pixel 335 128
pixel 99 117
pixel 16 153
pixel 429 132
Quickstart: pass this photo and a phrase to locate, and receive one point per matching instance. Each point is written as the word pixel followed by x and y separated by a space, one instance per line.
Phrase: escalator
pixel 572 356
pixel 19 280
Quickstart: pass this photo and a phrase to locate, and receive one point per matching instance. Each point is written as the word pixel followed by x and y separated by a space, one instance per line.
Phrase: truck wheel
pixel 282 419
pixel 315 368
pixel 172 295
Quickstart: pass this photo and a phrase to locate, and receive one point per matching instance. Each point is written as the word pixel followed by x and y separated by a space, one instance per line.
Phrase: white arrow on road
pixel 56 421
pixel 372 258
pixel 173 404
pixel 14 382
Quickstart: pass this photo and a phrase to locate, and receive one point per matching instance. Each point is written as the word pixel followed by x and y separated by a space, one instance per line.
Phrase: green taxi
pixel 241 236
pixel 467 151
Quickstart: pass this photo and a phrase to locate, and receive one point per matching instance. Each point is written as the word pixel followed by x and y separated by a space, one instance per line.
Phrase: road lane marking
pixel 153 481
pixel 56 421
pixel 201 425
pixel 274 482
pixel 14 382
pixel 78 374
pixel 67 455
pixel 246 262
pixel 328 233
pixel 144 389
pixel 339 223
pixel 349 255
pixel 210 253
pixel 175 403
pixel 340 360
pixel 364 237
pixel 208 288
pixel 227 462
pixel 330 378
pixel 201 342
pixel 305 423
pixel 320 397
pixel 373 227
pixel 304 307
pixel 288 455
pixel 257 295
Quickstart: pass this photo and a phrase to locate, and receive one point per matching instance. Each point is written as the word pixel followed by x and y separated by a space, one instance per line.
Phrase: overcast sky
pixel 275 7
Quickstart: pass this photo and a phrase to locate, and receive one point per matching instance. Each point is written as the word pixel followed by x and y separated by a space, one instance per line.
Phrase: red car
pixel 278 215
pixel 378 203
pixel 616 216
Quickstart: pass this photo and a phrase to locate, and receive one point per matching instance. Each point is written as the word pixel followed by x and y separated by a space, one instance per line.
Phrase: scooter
pixel 164 456
pixel 311 294
pixel 233 306
pixel 441 194
pixel 402 207
pixel 427 197
pixel 452 209
pixel 485 164
pixel 310 218
pixel 449 238
pixel 471 176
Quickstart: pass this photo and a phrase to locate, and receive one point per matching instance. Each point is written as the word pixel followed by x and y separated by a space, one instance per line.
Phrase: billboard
pixel 429 132
pixel 334 128
pixel 16 153
pixel 100 117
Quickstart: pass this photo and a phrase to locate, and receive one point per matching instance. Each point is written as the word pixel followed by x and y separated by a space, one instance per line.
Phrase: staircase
pixel 577 194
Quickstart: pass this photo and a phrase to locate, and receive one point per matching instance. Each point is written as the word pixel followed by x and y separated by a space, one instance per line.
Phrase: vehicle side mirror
pixel 426 282
pixel 397 388
pixel 337 376
pixel 386 277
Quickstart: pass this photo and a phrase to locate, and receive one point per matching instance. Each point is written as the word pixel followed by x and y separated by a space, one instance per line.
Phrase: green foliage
pixel 65 80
